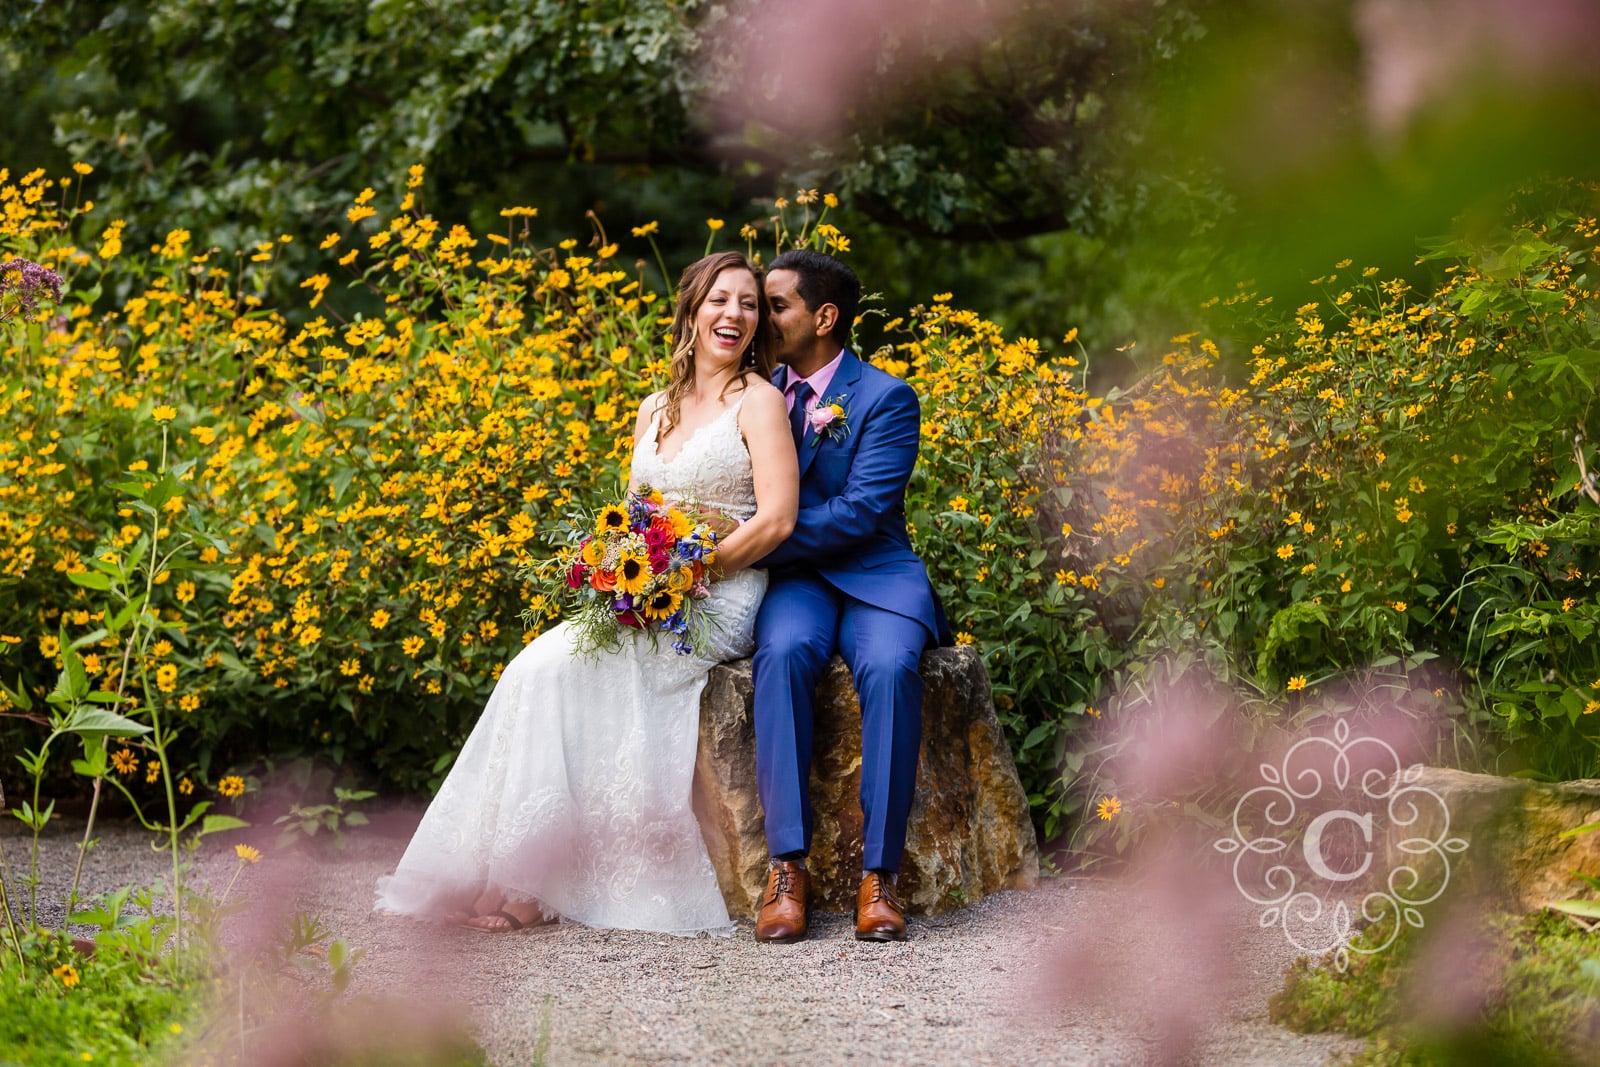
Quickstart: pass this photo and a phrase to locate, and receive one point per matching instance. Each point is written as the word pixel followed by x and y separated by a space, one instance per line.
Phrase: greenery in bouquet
pixel 638 565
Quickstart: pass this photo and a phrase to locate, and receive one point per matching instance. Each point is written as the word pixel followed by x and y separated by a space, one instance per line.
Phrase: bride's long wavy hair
pixel 693 288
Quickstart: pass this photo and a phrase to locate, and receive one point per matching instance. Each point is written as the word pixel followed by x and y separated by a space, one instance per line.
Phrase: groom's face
pixel 794 327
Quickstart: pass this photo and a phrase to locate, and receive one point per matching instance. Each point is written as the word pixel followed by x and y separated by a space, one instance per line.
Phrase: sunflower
pixel 612 519
pixel 663 604
pixel 681 523
pixel 633 572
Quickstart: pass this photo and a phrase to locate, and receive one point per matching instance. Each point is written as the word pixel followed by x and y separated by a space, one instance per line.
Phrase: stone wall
pixel 969 834
pixel 1516 855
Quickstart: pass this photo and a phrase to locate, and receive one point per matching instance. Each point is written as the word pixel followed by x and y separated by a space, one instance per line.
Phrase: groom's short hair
pixel 824 280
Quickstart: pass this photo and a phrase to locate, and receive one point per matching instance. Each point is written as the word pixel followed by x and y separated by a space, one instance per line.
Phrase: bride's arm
pixel 647 409
pixel 765 425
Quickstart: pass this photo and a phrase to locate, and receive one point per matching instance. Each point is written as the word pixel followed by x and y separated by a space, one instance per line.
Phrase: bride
pixel 571 798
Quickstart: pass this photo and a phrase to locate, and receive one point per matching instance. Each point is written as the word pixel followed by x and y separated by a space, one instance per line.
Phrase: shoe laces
pixel 881 890
pixel 783 883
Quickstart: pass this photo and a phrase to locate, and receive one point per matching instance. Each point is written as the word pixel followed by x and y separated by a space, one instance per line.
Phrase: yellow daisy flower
pixel 633 572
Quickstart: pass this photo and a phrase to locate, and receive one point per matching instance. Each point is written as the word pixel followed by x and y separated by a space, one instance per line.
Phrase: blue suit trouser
pixel 802 622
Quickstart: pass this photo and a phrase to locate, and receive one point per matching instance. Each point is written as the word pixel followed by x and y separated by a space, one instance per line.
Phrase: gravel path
pixel 1080 971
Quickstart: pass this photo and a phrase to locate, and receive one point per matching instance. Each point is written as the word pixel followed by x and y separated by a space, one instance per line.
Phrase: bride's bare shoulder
pixel 647 410
pixel 763 400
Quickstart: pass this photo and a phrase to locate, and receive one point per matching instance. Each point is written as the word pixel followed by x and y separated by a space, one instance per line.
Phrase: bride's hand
pixel 721 523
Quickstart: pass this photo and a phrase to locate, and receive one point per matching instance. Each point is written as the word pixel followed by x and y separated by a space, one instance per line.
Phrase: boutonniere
pixel 829 419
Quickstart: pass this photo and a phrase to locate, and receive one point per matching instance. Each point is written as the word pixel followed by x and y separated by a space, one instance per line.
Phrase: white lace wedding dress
pixel 574 787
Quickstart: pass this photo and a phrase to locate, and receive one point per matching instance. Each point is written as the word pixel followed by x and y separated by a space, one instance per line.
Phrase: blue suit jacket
pixel 851 529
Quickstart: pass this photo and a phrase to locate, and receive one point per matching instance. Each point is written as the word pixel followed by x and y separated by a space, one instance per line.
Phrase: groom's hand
pixel 722 525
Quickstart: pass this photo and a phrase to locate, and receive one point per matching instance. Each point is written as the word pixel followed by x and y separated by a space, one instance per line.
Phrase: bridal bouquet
pixel 639 564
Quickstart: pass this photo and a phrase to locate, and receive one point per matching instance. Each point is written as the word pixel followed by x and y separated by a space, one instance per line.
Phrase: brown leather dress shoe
pixel 879 916
pixel 782 917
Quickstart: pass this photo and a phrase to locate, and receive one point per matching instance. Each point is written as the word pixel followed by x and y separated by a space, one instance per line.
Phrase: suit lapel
pixel 842 387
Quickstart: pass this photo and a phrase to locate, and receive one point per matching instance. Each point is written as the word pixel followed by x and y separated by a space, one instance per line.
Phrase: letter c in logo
pixel 1313 844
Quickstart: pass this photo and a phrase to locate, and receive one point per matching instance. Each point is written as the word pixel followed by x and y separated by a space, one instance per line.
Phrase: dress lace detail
pixel 700 472
pixel 574 787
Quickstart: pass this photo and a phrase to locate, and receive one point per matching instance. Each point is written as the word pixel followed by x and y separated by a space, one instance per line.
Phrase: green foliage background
pixel 1107 515
pixel 1004 166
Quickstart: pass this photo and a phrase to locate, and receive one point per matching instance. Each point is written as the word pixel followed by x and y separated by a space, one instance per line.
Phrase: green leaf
pixel 1037 734
pixel 338 954
pixel 19 696
pixel 97 722
pixel 90 638
pixel 1584 909
pixel 90 580
pixel 124 614
pixel 1024 610
pixel 164 490
pixel 93 765
pixel 1586 828
pixel 341 482
pixel 74 680
pixel 216 824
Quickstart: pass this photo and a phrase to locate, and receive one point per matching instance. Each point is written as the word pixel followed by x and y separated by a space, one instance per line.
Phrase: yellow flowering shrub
pixel 361 476
pixel 368 479
pixel 993 409
pixel 1363 482
pixel 1378 489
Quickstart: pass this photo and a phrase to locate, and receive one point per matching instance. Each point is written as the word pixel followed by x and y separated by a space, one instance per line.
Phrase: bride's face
pixel 726 323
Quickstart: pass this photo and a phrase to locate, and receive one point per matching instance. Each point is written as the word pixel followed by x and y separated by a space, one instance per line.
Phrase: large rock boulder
pixel 969 833
pixel 1515 853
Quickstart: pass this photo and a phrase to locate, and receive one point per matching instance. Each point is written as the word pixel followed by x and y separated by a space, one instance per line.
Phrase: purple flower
pixel 27 278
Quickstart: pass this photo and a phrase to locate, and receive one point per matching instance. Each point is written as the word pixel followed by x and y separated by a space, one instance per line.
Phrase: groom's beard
pixel 783 356
pixel 785 353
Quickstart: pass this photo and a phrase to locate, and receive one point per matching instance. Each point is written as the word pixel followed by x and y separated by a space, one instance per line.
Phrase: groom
pixel 845 581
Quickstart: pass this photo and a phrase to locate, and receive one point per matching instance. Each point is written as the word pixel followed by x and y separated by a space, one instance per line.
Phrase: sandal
pixel 508 923
pixel 501 921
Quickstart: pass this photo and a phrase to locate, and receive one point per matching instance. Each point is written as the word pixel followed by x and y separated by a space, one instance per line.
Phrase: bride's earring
pixel 749 359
